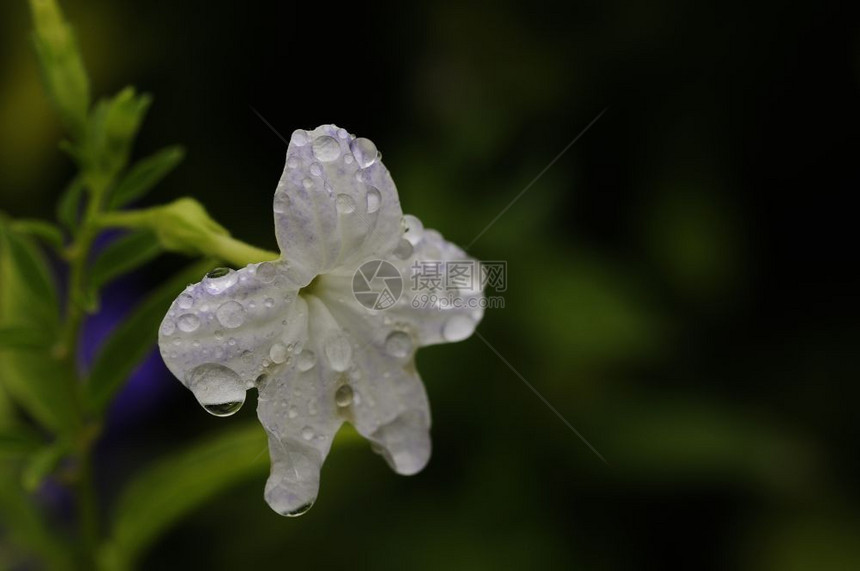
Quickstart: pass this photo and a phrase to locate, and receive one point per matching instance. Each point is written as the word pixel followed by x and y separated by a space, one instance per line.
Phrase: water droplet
pixel 343 396
pixel 293 412
pixel 168 327
pixel 292 162
pixel 281 203
pixel 266 272
pixel 365 152
pixel 278 353
pixel 412 229
pixel 301 510
pixel 217 388
pixel 342 133
pixel 345 204
pixel 220 280
pixel 308 183
pixel 231 342
pixel 299 138
pixel 326 148
pixel 339 353
pixel 458 328
pixel 188 322
pixel 306 360
pixel 231 314
pixel 374 199
pixel 185 301
pixel 269 302
pixel 398 344
pixel 308 433
pixel 404 249
pixel 316 169
pixel 348 159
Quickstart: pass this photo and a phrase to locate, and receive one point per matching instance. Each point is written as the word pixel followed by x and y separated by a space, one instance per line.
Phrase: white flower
pixel 295 329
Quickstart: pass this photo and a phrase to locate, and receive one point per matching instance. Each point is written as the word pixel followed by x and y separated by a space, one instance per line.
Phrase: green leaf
pixel 61 65
pixel 179 484
pixel 69 205
pixel 111 130
pixel 28 300
pixel 122 256
pixel 144 175
pixel 18 441
pixel 135 337
pixel 49 233
pixel 42 463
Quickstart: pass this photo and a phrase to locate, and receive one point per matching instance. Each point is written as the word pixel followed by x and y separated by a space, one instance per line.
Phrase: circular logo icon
pixel 377 284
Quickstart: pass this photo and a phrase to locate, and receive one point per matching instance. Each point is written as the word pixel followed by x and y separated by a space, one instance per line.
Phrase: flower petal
pixel 335 203
pixel 217 336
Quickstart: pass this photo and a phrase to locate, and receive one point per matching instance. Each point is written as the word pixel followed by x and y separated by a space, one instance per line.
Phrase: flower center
pixel 310 289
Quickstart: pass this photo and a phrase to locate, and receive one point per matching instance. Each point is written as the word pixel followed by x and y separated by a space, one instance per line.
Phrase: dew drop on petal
pixel 345 204
pixel 339 353
pixel 185 301
pixel 398 344
pixel 292 162
pixel 343 396
pixel 306 360
pixel 326 148
pixel 316 169
pixel 412 229
pixel 299 138
pixel 374 200
pixel 404 249
pixel 220 280
pixel 266 272
pixel 168 327
pixel 292 412
pixel 188 322
pixel 217 388
pixel 308 183
pixel 231 314
pixel 365 152
pixel 281 203
pixel 278 353
pixel 308 433
pixel 457 328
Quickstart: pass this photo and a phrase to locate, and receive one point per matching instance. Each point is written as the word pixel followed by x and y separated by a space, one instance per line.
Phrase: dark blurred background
pixel 681 282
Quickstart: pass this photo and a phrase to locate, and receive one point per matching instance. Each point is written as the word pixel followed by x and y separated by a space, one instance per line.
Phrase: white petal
pixel 335 203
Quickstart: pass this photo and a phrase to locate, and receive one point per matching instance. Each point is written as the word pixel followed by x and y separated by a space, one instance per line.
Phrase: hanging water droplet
pixel 457 328
pixel 316 169
pixel 412 229
pixel 374 199
pixel 365 152
pixel 343 396
pixel 326 148
pixel 299 138
pixel 188 322
pixel 278 353
pixel 308 433
pixel 306 360
pixel 220 280
pixel 266 272
pixel 404 249
pixel 168 327
pixel 301 510
pixel 231 314
pixel 339 353
pixel 281 203
pixel 217 388
pixel 398 344
pixel 185 301
pixel 345 204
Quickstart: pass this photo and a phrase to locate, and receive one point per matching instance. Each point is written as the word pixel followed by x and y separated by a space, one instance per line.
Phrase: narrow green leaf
pixel 145 174
pixel 18 441
pixel 69 206
pixel 179 484
pixel 28 299
pixel 42 463
pixel 135 337
pixel 122 256
pixel 49 233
